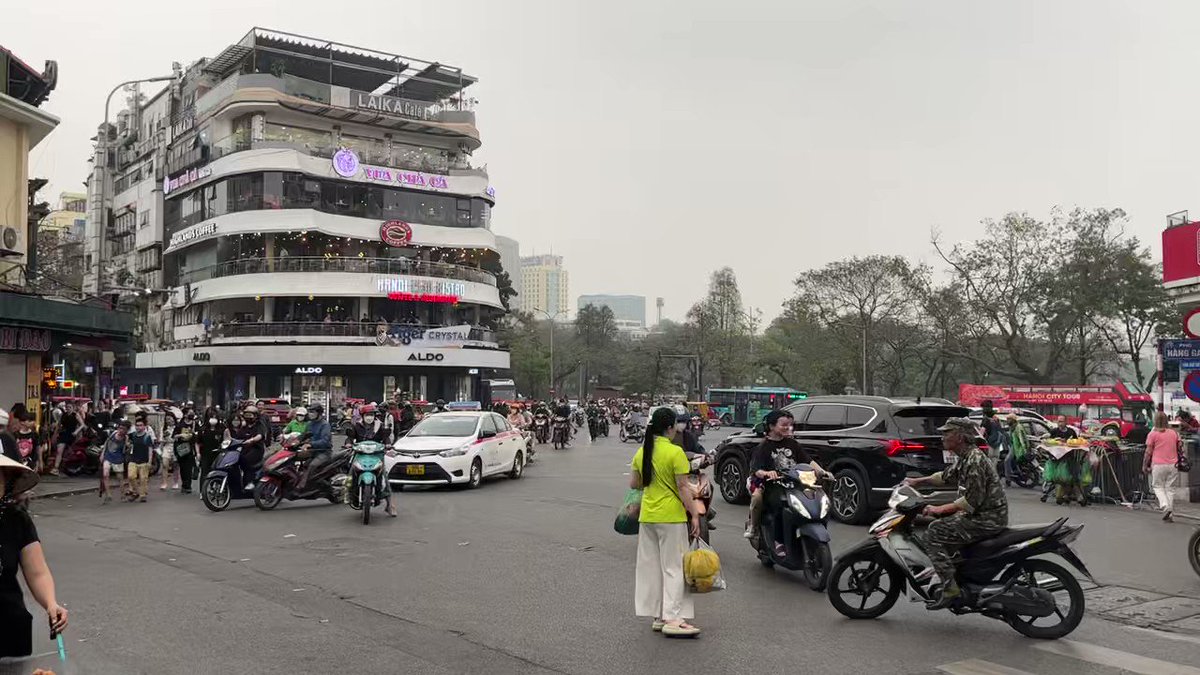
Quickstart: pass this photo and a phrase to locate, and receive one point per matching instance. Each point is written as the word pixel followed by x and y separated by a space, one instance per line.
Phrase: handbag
pixel 626 521
pixel 1182 463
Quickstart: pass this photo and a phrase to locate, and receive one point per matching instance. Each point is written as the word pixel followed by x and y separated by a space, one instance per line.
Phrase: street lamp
pixel 551 317
pixel 102 166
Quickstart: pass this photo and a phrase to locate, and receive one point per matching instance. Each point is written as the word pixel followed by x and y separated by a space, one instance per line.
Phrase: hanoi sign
pixel 1181 350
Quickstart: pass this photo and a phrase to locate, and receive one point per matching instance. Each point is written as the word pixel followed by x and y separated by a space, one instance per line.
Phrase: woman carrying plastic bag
pixel 660 470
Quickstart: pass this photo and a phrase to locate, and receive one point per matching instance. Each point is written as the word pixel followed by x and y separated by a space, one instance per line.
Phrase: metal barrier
pixel 1119 475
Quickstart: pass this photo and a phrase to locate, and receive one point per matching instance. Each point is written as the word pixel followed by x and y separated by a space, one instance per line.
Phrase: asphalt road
pixel 526 576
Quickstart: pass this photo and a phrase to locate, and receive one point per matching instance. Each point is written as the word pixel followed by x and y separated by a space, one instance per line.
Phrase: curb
pixel 65 493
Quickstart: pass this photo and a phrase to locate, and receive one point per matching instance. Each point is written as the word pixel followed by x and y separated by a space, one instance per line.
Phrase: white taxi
pixel 456 448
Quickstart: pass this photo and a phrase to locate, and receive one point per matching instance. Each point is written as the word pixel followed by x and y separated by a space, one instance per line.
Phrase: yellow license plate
pixel 415 469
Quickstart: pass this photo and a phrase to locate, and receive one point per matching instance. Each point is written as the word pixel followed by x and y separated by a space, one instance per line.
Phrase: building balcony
pixel 372 154
pixel 387 266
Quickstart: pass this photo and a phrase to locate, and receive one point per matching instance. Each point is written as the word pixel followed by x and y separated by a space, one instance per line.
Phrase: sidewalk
pixel 62 486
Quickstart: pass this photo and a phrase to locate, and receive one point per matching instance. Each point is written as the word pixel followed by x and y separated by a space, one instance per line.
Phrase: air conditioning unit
pixel 9 238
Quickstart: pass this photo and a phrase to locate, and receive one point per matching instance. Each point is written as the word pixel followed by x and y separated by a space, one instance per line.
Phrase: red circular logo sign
pixel 395 233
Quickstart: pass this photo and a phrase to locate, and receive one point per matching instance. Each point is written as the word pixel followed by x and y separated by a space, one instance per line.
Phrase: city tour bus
pixel 746 406
pixel 1112 409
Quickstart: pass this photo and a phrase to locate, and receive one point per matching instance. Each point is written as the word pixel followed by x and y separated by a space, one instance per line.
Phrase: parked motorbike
pixel 1000 577
pixel 225 481
pixel 1194 551
pixel 562 432
pixel 281 473
pixel 702 490
pixel 793 530
pixel 541 428
pixel 83 456
pixel 366 478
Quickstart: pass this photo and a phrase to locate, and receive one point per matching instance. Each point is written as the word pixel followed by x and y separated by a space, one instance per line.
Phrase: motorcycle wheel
pixel 859 577
pixel 267 494
pixel 73 469
pixel 1194 551
pixel 1056 579
pixel 214 496
pixel 816 573
pixel 366 498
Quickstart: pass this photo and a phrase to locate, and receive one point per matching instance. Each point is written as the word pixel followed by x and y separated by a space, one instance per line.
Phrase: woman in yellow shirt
pixel 660 469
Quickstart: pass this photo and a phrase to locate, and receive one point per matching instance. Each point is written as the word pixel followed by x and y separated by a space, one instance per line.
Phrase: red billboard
pixel 1181 252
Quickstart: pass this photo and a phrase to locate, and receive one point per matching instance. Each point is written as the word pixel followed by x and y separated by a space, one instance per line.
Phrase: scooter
pixel 224 481
pixel 713 423
pixel 541 428
pixel 1000 577
pixel 562 432
pixel 1028 472
pixel 83 456
pixel 366 478
pixel 697 425
pixel 796 507
pixel 632 431
pixel 702 490
pixel 282 472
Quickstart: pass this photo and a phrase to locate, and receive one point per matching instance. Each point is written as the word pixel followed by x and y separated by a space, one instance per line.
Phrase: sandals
pixel 683 630
pixel 657 625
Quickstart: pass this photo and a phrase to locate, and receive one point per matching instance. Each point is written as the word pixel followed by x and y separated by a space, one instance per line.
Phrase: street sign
pixel 1191 386
pixel 68 384
pixel 1191 323
pixel 1181 350
pixel 1189 365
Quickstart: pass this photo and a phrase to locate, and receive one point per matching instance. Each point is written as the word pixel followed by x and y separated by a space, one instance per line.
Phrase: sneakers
pixel 749 533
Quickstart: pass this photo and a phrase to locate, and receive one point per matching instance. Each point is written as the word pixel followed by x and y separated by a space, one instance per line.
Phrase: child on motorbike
pixel 776 455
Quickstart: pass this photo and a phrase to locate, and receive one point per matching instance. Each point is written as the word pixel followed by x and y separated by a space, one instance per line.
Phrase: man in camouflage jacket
pixel 980 512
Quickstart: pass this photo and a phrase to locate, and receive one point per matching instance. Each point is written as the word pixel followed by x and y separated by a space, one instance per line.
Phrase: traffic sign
pixel 1181 350
pixel 1191 386
pixel 1191 323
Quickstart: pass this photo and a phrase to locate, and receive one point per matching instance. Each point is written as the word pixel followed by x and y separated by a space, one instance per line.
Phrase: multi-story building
pixel 69 218
pixel 545 287
pixel 510 260
pixel 306 222
pixel 626 308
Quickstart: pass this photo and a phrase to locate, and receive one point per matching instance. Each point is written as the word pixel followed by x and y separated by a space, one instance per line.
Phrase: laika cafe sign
pixel 173 184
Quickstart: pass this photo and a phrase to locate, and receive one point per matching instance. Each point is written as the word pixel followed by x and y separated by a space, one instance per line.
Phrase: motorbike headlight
pixel 225 443
pixel 824 507
pixel 797 504
pixel 455 452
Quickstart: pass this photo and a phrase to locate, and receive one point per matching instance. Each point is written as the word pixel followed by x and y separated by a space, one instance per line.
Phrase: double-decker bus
pixel 747 405
pixel 1112 409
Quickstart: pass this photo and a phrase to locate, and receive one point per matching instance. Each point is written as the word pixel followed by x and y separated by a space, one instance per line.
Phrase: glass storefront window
pixel 287 190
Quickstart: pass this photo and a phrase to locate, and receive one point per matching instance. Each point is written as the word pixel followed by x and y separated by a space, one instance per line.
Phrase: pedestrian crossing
pixel 1088 656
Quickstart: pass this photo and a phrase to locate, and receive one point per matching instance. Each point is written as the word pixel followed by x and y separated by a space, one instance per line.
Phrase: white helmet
pixel 301 411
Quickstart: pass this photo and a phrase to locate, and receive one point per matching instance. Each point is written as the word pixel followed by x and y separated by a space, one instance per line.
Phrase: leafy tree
pixel 595 330
pixel 720 328
pixel 503 281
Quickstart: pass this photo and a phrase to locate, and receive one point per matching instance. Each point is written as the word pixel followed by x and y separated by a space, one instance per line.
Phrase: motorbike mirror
pixel 760 429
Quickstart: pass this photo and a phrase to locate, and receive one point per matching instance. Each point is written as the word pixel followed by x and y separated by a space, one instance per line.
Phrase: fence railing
pixel 403 266
pixel 360 329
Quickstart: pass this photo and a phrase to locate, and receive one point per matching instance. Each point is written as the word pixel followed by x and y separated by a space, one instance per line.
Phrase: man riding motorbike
pixel 320 442
pixel 256 431
pixel 981 510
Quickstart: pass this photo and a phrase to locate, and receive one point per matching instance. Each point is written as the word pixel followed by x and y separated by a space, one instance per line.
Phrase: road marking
pixel 1167 635
pixel 979 667
pixel 1103 656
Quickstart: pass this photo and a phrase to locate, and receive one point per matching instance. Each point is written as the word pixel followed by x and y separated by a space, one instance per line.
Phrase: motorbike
pixel 631 431
pixel 702 490
pixel 1000 577
pixel 562 432
pixel 365 478
pixel 83 456
pixel 697 425
pixel 796 507
pixel 1194 551
pixel 1028 472
pixel 282 471
pixel 713 423
pixel 597 424
pixel 541 428
pixel 224 481
pixel 578 418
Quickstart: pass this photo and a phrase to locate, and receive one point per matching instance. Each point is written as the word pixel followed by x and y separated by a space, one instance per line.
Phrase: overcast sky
pixel 650 142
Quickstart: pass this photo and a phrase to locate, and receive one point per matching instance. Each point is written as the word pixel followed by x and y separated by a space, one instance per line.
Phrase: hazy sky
pixel 652 142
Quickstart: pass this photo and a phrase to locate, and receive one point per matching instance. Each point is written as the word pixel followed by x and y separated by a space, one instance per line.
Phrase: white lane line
pixel 979 667
pixel 1179 637
pixel 1103 656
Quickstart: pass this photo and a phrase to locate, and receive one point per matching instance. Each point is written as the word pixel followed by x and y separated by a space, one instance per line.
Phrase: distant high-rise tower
pixel 545 286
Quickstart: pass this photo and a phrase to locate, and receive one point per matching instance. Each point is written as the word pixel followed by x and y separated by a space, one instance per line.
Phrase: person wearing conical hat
pixel 21 550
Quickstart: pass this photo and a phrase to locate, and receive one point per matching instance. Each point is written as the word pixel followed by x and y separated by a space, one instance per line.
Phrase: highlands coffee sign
pixel 191 234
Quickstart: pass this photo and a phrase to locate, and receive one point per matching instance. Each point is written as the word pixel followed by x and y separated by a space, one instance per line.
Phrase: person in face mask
pixel 371 427
pixel 212 433
pixel 320 442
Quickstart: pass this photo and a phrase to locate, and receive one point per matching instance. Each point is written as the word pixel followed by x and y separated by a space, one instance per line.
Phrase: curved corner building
pixel 324 234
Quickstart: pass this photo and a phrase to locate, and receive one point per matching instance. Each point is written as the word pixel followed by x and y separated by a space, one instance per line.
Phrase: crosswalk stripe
pixel 979 667
pixel 1113 658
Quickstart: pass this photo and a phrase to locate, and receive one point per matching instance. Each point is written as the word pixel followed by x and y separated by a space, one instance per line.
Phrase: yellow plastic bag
pixel 702 568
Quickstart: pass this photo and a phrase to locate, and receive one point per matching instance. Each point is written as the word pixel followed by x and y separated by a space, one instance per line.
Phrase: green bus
pixel 746 406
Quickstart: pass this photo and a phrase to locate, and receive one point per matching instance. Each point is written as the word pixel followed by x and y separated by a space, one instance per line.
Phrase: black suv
pixel 869 443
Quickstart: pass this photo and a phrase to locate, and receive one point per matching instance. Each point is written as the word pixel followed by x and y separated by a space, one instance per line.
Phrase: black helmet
pixel 316 409
pixel 441 402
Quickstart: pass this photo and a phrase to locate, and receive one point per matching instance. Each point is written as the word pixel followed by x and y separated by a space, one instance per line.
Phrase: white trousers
pixel 1162 479
pixel 659 588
